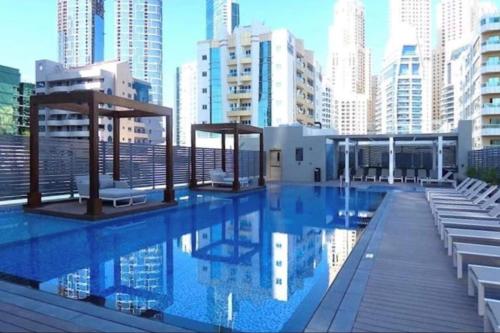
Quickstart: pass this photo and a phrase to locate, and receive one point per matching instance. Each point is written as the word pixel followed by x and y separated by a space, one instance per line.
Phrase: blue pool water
pixel 256 262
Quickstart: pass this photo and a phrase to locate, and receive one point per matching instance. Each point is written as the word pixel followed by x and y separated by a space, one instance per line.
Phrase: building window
pixel 204 90
pixel 204 74
pixel 279 282
pixel 204 57
pixel 204 107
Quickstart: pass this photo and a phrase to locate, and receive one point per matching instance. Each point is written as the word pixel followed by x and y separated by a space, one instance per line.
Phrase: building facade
pixel 259 77
pixel 417 14
pixel 372 107
pixel 185 103
pixel 222 17
pixel 480 89
pixel 80 28
pixel 14 102
pixel 400 108
pixel 139 40
pixel 349 68
pixel 327 118
pixel 112 78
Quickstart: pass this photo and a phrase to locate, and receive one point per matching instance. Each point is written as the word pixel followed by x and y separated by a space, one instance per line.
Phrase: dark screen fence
pixel 142 165
pixel 485 159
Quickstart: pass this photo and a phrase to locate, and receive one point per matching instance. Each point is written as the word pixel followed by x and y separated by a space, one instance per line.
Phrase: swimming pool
pixel 256 262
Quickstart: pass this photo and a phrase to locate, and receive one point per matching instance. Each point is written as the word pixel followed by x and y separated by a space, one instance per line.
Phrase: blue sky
pixel 29 30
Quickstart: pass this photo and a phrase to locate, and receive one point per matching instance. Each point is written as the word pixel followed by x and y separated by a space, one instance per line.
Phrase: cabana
pixel 95 104
pixel 234 129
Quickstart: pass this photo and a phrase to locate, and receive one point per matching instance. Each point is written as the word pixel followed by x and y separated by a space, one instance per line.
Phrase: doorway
pixel 275 164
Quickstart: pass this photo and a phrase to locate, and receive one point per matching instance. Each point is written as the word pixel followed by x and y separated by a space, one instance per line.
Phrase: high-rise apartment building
pixel 326 117
pixel 415 14
pixel 400 101
pixel 349 68
pixel 112 78
pixel 259 77
pixel 372 107
pixel 80 28
pixel 185 103
pixel 14 102
pixel 480 88
pixel 222 17
pixel 139 41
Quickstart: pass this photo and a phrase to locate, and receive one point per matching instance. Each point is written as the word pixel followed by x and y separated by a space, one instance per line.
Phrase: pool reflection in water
pixel 259 262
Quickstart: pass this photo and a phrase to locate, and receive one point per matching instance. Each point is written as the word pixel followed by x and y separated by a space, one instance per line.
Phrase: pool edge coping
pixel 339 306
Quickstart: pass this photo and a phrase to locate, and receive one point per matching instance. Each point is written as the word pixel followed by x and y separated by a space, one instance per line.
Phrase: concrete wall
pixel 287 139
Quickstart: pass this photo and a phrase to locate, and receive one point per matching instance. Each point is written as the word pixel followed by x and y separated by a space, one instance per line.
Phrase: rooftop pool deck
pixel 289 258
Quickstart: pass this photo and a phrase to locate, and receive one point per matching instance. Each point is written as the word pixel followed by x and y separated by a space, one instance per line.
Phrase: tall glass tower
pixel 139 41
pixel 80 26
pixel 222 16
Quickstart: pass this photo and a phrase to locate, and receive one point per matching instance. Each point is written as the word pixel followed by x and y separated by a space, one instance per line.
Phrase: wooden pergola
pixel 236 130
pixel 95 104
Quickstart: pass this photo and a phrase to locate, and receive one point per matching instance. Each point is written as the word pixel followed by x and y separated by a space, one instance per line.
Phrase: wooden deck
pixel 402 279
pixel 75 210
pixel 26 310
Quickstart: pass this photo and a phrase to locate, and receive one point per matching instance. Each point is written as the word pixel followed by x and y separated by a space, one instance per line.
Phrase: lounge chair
pixel 469 201
pixel 473 253
pixel 492 315
pixel 482 277
pixel 445 180
pixel 410 176
pixel 467 205
pixel 491 214
pixel 452 235
pixel 118 192
pixel 421 174
pixel 222 178
pixel 468 224
pixel 372 175
pixel 360 175
pixel 384 175
pixel 398 175
pixel 445 190
pixel 468 193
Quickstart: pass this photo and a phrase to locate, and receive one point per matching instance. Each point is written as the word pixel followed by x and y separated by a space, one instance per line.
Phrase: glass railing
pixel 491 126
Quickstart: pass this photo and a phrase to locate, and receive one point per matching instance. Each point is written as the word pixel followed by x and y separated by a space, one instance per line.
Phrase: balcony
pixel 240 111
pixel 490 109
pixel 246 60
pixel 490 130
pixel 240 94
pixel 488 27
pixel 488 68
pixel 487 47
pixel 490 89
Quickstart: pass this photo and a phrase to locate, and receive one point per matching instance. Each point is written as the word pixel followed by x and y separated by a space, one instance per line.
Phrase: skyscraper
pixel 222 16
pixel 139 41
pixel 80 27
pixel 416 14
pixel 185 102
pixel 348 67
pixel 401 95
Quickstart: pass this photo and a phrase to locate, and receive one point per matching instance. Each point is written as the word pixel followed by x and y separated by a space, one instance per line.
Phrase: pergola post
pixel 236 159
pixel 440 158
pixel 116 148
pixel 356 157
pixel 94 204
pixel 193 183
pixel 347 172
pixel 391 160
pixel 34 196
pixel 169 194
pixel 262 182
pixel 223 152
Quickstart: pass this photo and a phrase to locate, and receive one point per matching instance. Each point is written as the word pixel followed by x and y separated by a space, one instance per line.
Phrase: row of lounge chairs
pixel 467 218
pixel 419 177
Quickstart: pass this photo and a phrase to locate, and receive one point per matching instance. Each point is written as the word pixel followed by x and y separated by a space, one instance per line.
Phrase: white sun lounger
pixel 472 252
pixel 438 191
pixel 410 176
pixel 398 175
pixel 360 175
pixel 468 193
pixel 468 224
pixel 468 236
pixel 482 277
pixel 484 215
pixel 468 206
pixel 481 198
pixel 372 175
pixel 492 316
pixel 444 180
pixel 384 175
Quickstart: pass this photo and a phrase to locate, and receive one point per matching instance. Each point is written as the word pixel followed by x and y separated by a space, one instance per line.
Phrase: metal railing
pixel 141 165
pixel 485 159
